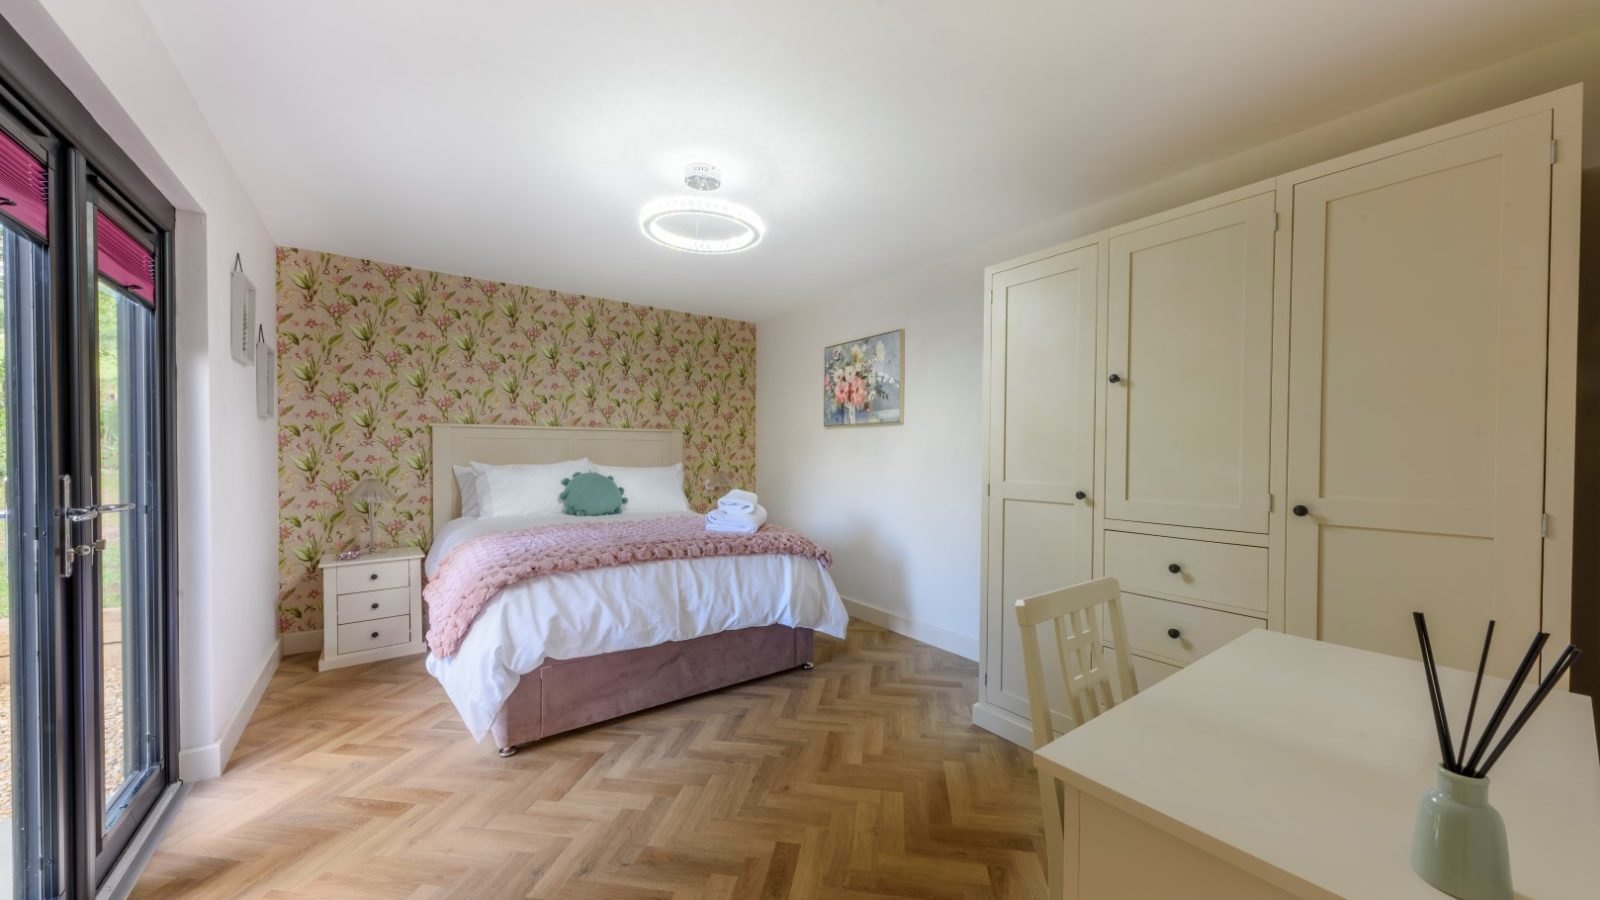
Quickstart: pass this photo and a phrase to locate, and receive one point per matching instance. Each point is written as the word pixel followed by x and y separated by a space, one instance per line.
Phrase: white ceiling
pixel 516 140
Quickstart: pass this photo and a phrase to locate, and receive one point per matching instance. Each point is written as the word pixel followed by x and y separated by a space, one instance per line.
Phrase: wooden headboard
pixel 458 445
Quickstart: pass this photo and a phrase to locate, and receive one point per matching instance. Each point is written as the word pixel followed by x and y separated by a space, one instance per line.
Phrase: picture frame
pixel 241 315
pixel 863 381
pixel 266 359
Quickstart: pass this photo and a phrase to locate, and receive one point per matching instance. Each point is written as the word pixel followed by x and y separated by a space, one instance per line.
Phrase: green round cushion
pixel 592 494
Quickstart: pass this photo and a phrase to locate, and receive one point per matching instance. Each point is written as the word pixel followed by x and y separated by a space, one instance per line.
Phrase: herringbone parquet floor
pixel 861 778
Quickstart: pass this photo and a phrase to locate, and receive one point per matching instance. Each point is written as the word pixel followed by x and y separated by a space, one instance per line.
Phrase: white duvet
pixel 579 614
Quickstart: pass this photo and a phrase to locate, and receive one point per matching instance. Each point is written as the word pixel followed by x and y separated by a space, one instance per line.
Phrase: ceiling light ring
pixel 752 233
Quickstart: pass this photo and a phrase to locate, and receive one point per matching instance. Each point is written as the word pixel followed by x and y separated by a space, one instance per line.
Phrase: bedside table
pixel 371 607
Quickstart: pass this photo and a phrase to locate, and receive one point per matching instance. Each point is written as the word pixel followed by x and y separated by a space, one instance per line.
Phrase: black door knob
pixel 1174 633
pixel 1174 568
pixel 1081 495
pixel 1114 378
pixel 1300 509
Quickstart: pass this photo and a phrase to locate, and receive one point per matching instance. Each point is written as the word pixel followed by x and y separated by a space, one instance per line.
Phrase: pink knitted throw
pixel 478 570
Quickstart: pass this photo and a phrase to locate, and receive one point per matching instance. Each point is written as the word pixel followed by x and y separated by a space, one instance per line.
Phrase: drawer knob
pixel 375 634
pixel 1115 378
pixel 1300 509
pixel 374 606
pixel 1081 495
pixel 1174 568
pixel 373 577
pixel 1171 633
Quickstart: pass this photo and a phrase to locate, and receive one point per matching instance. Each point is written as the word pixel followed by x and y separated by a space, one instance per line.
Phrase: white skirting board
pixel 1011 727
pixel 301 642
pixel 208 760
pixel 943 638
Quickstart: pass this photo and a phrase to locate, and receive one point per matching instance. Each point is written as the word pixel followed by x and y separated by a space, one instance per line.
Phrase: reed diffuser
pixel 1459 843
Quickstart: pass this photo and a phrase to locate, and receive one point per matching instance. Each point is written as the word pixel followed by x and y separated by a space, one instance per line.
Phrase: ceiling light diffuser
pixel 700 225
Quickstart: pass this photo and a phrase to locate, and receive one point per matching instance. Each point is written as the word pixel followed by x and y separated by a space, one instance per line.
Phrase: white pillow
pixel 650 489
pixel 524 490
pixel 467 487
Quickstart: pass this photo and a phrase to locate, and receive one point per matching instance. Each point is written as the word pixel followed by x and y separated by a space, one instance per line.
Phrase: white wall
pixel 900 506
pixel 111 58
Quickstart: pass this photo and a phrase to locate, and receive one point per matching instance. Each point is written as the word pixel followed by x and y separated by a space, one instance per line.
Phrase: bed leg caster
pixel 807 666
pixel 507 752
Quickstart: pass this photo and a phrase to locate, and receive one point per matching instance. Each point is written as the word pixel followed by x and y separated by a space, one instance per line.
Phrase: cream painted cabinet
pixel 1313 405
pixel 1041 444
pixel 1419 307
pixel 1189 357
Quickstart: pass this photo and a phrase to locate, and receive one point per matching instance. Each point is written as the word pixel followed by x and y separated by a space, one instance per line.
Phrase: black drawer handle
pixel 1174 568
pixel 1081 495
pixel 1171 633
pixel 374 634
pixel 374 606
pixel 1114 378
pixel 373 577
pixel 1300 509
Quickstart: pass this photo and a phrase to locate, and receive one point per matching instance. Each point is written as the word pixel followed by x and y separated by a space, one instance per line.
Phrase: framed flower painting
pixel 863 381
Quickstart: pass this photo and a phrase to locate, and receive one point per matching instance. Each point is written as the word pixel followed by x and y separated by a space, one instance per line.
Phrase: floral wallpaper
pixel 370 354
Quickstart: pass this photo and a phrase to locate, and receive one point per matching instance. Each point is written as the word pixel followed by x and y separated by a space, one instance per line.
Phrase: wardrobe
pixel 1312 404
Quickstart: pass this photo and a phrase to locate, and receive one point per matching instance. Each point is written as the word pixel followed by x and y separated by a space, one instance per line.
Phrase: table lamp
pixel 371 493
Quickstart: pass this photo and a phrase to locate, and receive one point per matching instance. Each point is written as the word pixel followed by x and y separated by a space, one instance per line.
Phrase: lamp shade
pixel 371 491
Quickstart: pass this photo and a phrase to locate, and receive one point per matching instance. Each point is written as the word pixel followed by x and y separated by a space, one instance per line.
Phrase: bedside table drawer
pixel 358 636
pixel 374 605
pixel 374 576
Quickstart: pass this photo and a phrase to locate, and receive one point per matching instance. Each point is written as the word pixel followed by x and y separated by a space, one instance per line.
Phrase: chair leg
pixel 1050 803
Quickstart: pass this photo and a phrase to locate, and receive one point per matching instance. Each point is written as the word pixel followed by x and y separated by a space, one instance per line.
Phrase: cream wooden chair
pixel 1074 616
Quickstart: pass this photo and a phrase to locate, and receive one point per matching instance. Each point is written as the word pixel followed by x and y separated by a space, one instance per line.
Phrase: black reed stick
pixel 1472 707
pixel 1563 663
pixel 1528 661
pixel 1447 756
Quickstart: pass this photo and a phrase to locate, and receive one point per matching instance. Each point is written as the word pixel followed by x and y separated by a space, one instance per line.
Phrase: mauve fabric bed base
pixel 564 694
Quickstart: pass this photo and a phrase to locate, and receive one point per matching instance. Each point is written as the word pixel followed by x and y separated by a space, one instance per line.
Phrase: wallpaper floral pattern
pixel 370 354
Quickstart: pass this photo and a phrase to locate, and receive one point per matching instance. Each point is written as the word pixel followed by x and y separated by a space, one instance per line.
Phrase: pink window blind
pixel 124 260
pixel 22 187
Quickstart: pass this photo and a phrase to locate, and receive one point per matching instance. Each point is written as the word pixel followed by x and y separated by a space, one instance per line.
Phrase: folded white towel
pixel 721 521
pixel 738 501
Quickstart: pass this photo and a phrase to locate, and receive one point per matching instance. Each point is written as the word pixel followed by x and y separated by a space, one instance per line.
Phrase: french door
pixel 86 575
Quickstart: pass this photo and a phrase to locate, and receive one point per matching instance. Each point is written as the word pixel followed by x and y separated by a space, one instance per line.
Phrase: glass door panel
pixel 124 365
pixel 29 594
pixel 118 588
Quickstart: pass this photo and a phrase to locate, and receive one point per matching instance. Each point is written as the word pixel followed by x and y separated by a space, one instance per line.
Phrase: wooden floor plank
pixel 861 778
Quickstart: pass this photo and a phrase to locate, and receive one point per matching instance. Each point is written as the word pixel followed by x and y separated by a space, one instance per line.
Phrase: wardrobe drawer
pixel 358 636
pixel 1228 574
pixel 374 605
pixel 1151 623
pixel 1149 671
pixel 375 576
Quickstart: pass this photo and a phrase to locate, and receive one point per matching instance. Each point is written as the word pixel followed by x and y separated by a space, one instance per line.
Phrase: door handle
pixel 77 515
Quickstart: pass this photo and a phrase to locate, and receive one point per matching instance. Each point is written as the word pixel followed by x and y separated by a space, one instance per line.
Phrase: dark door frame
pixel 85 163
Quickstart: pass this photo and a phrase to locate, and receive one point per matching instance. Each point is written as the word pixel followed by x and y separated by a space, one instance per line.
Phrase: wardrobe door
pixel 1418 312
pixel 1041 448
pixel 1190 369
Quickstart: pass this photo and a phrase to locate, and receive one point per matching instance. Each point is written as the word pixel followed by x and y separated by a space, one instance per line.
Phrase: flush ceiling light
pixel 701 224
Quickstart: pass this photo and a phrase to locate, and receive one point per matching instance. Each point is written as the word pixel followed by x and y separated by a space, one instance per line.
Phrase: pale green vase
pixel 1459 843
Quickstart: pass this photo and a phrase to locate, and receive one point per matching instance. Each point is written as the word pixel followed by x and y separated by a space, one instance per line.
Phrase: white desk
pixel 1284 767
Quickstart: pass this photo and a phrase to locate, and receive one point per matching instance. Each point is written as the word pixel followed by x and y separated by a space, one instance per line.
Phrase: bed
pixel 561 651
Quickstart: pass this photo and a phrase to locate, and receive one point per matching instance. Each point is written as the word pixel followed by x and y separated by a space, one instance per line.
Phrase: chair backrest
pixel 1073 615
